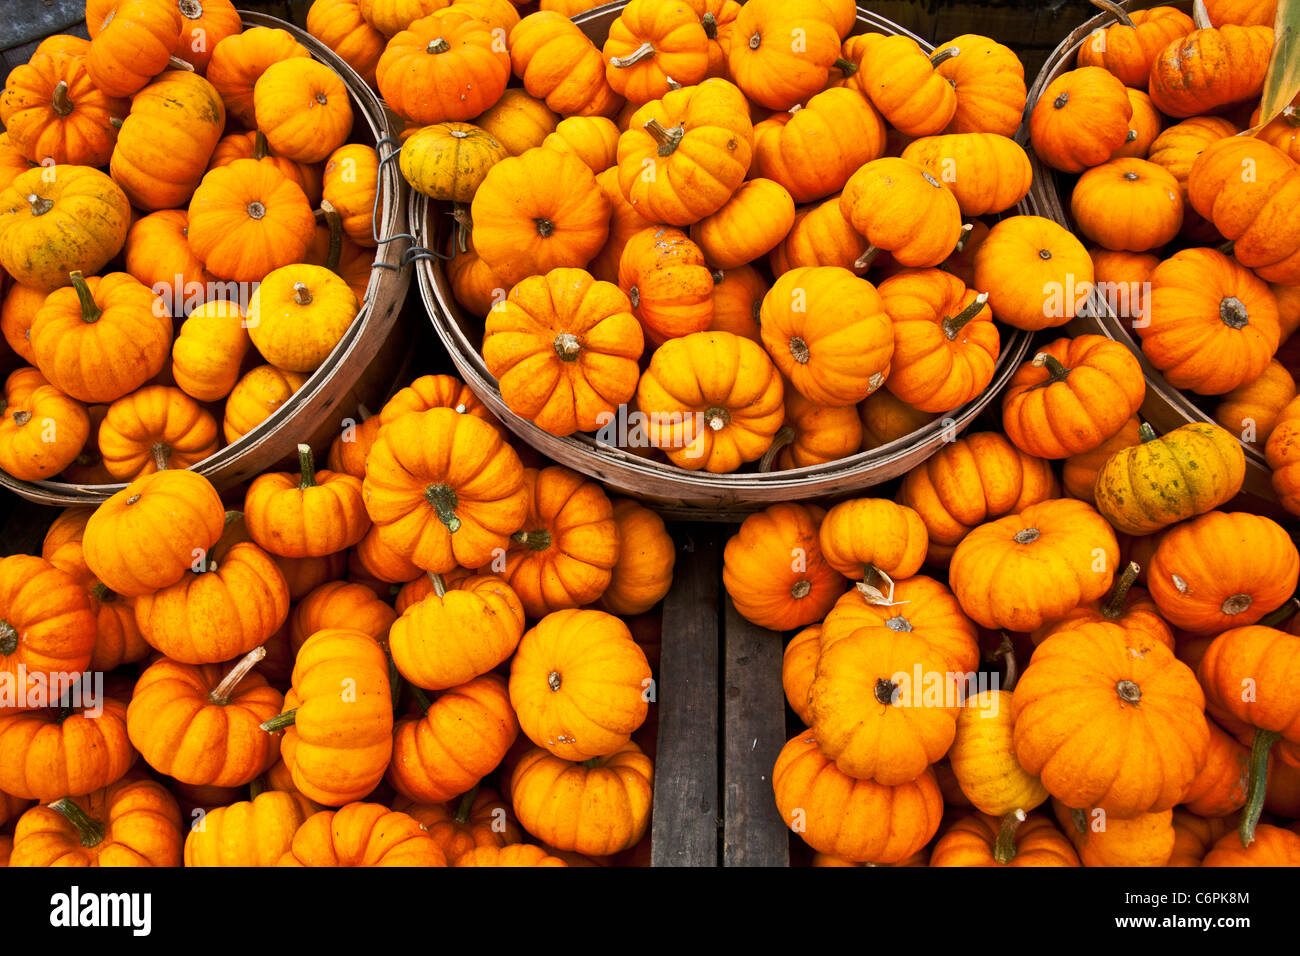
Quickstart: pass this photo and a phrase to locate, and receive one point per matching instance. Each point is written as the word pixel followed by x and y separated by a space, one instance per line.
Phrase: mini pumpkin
pixel 799 668
pixel 449 160
pixel 41 433
pixel 980 840
pixel 256 397
pixel 873 541
pixel 1128 204
pixel 133 45
pixel 556 62
pixel 1210 69
pixel 1252 410
pixel 987 173
pixel 983 757
pixel 153 428
pixel 310 514
pixel 903 209
pixel 1080 119
pixel 902 82
pixel 646 555
pixel 752 223
pixel 1037 274
pixel 238 62
pixel 1130 46
pixel 253 832
pixel 654 47
pixel 990 83
pixel 772 70
pixel 813 434
pixel 1126 605
pixel 362 834
pixel 209 350
pixel 157 252
pixel 668 283
pixel 52 110
pixel 47 754
pixel 298 314
pixel 1283 453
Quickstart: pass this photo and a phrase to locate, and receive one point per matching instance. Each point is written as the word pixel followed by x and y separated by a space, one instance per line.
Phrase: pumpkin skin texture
pixel 449 160
pixel 1160 716
pixel 558 63
pixel 339 743
pixel 41 434
pixel 1079 472
pixel 595 810
pixel 1253 409
pixel 45 755
pixel 1211 324
pixel 820 236
pixel 564 349
pixel 350 183
pixel 641 577
pixel 131 823
pixel 770 69
pixel 538 212
pixel 518 121
pixel 1037 274
pixel 818 433
pixel 1072 396
pixel 1102 839
pixel 799 668
pixel 923 607
pixel 1273 847
pixel 455 634
pixel 865 537
pixel 990 83
pixel 713 399
pixel 143 538
pixel 226 609
pixel 564 554
pixel 511 855
pixel 446 66
pixel 340 604
pixel 256 397
pixel 1130 49
pixel 166 141
pixel 975 840
pixel 1026 569
pixel 1283 453
pixel 1177 148
pixel 1208 70
pixel 677 50
pixel 813 151
pixel 1080 120
pixel 983 757
pixel 872 724
pixel 903 209
pixel 247 219
pixel 738 301
pixel 460 739
pixel 480 820
pixel 751 224
pixel 133 46
pixel 253 832
pixel 1161 481
pixel 855 820
pixel 157 252
pixel 829 334
pixel 1128 204
pixel 444 489
pixel 945 342
pixel 1221 786
pixel 341 27
pixel 1193 837
pixel 239 61
pixel 975 479
pixel 362 834
pixel 199 724
pixel 52 111
pixel 1264 660
pixel 987 173
pixel 77 223
pixel 698 143
pixel 557 667
pixel 309 514
pixel 668 283
pixel 774 570
pixel 435 391
pixel 303 109
pixel 1222 570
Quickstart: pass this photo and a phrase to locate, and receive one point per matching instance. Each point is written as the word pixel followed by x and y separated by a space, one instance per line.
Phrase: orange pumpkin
pixel 52 110
pixel 990 83
pixel 153 428
pixel 1080 119
pixel 310 514
pixel 1210 69
pixel 668 283
pixel 1130 46
pixel 556 62
pixel 50 753
pixel 303 109
pixel 773 71
pixel 238 62
pixel 903 209
pixel 644 571
pixel 133 45
pixel 362 834
pixel 654 47
pixel 1037 274
pixel 903 83
pixel 1128 204
pixel 446 66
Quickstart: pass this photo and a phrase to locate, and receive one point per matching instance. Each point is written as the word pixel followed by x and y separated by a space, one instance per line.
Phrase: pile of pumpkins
pixel 681 220
pixel 1189 212
pixel 161 309
pixel 337 672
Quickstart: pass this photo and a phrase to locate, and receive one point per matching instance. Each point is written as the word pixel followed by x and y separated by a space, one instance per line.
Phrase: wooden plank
pixel 684 831
pixel 754 732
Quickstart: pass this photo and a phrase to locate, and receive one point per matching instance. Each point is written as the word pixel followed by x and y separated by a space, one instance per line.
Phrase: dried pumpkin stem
pixel 1056 372
pixel 8 639
pixel 1227 248
pixel 847 67
pixel 1234 313
pixel 1259 751
pixel 1115 10
pixel 799 350
pixel 710 24
pixel 1128 691
pixel 176 63
pixel 256 788
pixel 439 584
pixel 464 224
pixel 437 45
pixel 444 501
pixel 60 100
pixel 1201 15
pixel 1113 609
pixel 1146 433
pixel 868 256
pixel 466 804
pixel 22 417
pixel 334 221
pixel 1026 536
pixel 953 325
pixel 301 294
pixel 221 694
pixel 545 227
pixel 644 52
pixel 90 311
pixel 592 763
pixel 91 831
pixel 966 230
pixel 39 205
pixel 871 590
pixel 538 540
pixel 261 149
pixel 306 467
pixel 1006 653
pixel 161 453
pixel 668 139
pixel 567 346
pixel 1004 849
pixel 801 589
pixel 1080 820
pixel 782 438
pixel 947 53
pixel 716 418
pixel 101 593
pixel 191 9
pixel 280 721
pixel 1236 603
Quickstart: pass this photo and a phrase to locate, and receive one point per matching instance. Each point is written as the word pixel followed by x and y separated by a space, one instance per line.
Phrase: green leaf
pixel 1283 80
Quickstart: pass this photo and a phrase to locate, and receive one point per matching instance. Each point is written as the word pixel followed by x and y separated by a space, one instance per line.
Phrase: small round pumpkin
pixel 902 82
pixel 209 349
pixel 298 314
pixel 1210 69
pixel 1128 204
pixel 983 757
pixel 133 45
pixel 1080 119
pixel 753 221
pixel 310 514
pixel 238 61
pixel 41 433
pixel 987 173
pixel 253 832
pixel 654 47
pixel 350 183
pixel 1037 274
pixel 1252 410
pixel 52 110
pixel 449 160
pixel 873 539
pixel 362 834
pixel 641 577
pixel 903 209
pixel 990 83
pixel 980 840
pixel 668 283
pixel 556 62
pixel 446 66
pixel 303 109
pixel 50 753
pixel 256 397
pixel 153 428
pixel 772 70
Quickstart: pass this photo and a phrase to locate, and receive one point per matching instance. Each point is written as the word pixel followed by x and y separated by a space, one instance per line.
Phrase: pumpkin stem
pixel 221 694
pixel 437 45
pixel 1146 433
pixel 782 438
pixel 464 224
pixel 1006 652
pixel 868 256
pixel 306 467
pixel 847 67
pixel 8 639
pixel 801 589
pixel 90 311
pixel 1056 372
pixel 872 577
pixel 443 499
pixel 40 205
pixel 710 24
pixel 1236 603
pixel 1281 615
pixel 884 691
pixel 756 41
pixel 1004 850
pixel 1201 15
pixel 439 584
pixel 334 220
pixel 567 346
pixel 256 788
pixel 643 52
pixel 1115 10
pixel 61 102
pixel 953 324
pixel 1062 101
pixel 538 540
pixel 395 682
pixel 100 592
pixel 1234 313
pixel 191 9
pixel 1026 536
pixel 592 764
pixel 1128 691
pixel 1080 820
pixel 1259 750
pixel 466 804
pixel 301 294
pixel 554 681
pixel 161 455
pixel 1113 609
pixel 947 53
pixel 717 418
pixel 799 350
pixel 668 139
pixel 90 830
pixel 1227 248
pixel 966 229
pixel 421 699
pixel 261 149
pixel 545 228
pixel 255 210
pixel 280 721
pixel 176 63
pixel 22 417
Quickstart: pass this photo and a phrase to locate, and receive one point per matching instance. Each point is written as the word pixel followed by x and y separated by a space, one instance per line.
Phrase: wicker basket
pixel 360 369
pixel 670 490
pixel 1166 407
